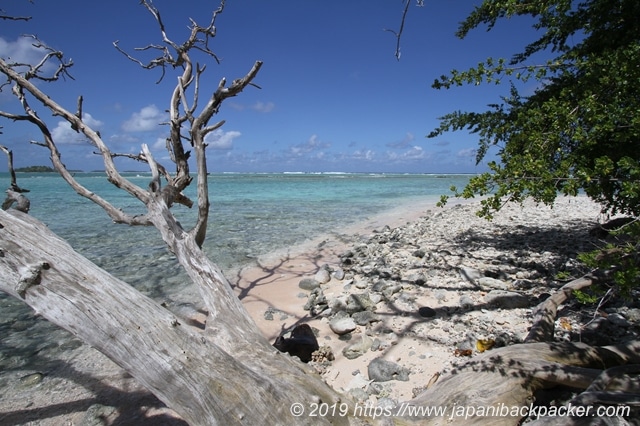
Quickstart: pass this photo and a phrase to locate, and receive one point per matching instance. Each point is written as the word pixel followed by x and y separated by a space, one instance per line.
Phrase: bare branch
pixel 14 192
pixel 398 34
pixel 22 84
pixel 199 130
pixel 154 185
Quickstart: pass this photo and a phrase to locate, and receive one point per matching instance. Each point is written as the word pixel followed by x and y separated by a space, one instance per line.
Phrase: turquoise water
pixel 251 215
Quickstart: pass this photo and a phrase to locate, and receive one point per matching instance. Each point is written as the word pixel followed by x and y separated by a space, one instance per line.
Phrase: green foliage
pixel 586 298
pixel 36 169
pixel 620 258
pixel 579 130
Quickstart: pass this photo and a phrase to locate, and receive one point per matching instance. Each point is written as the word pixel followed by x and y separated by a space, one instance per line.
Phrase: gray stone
pixel 323 276
pixel 470 274
pixel 342 326
pixel 492 283
pixel 358 348
pixel 375 298
pixel 506 299
pixel 389 291
pixel 361 284
pixel 339 274
pixel 358 394
pixel 466 302
pixel 359 302
pixel 380 285
pixel 31 380
pixel 386 404
pixel 419 253
pixel 417 279
pixel 365 317
pixel 619 320
pixel 381 370
pixel 308 284
pixel 96 414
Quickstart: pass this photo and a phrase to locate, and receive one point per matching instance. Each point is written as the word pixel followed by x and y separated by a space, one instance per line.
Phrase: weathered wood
pixel 509 377
pixel 228 375
pixel 544 315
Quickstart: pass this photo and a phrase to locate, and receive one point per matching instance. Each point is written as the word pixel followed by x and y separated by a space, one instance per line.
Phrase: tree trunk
pixel 228 374
pixel 509 376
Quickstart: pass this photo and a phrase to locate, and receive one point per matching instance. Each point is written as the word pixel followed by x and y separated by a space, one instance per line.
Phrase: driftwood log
pixel 508 378
pixel 228 373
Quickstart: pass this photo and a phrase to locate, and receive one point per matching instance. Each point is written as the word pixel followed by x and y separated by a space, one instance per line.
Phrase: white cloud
pixel 21 51
pixel 367 155
pixel 219 139
pixel 148 118
pixel 64 134
pixel 312 144
pixel 263 107
pixel 403 143
pixel 414 153
pixel 467 153
pixel 160 143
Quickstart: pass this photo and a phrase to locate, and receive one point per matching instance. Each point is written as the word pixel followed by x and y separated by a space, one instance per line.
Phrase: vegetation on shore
pixel 577 132
pixel 36 169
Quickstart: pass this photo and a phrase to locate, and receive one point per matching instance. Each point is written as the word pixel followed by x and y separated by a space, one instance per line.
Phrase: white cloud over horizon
pixel 148 118
pixel 221 140
pixel 64 134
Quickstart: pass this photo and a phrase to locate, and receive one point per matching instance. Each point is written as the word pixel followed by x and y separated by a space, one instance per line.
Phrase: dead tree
pixel 227 373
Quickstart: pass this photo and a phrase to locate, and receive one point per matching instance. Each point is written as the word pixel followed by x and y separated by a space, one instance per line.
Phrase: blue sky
pixel 332 95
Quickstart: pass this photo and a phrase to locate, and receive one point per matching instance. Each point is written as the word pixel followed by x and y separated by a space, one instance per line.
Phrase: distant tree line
pixel 36 169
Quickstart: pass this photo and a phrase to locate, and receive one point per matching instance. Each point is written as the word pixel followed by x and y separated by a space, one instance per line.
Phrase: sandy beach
pixel 458 241
pixel 431 312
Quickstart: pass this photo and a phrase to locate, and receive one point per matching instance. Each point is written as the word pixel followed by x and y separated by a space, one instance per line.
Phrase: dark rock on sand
pixel 381 370
pixel 301 343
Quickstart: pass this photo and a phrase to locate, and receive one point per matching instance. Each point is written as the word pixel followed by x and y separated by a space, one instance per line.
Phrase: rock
pixel 323 355
pixel 618 320
pixel 358 394
pixel 381 370
pixel 386 404
pixel 322 358
pixel 271 311
pixel 339 274
pixel 389 291
pixel 359 302
pixel 358 382
pixel 427 312
pixel 470 274
pixel 506 299
pixel 492 283
pixel 419 253
pixel 358 348
pixel 322 276
pixel 302 343
pixel 365 317
pixel 308 284
pixel 417 279
pixel 375 298
pixel 466 302
pixel 31 380
pixel 96 415
pixel 337 304
pixel 342 326
pixel 361 284
pixel 380 285
pixel 317 302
